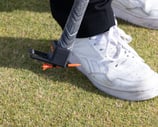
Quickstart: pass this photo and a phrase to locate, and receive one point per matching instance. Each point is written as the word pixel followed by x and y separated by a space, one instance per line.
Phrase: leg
pixel 101 20
pixel 106 58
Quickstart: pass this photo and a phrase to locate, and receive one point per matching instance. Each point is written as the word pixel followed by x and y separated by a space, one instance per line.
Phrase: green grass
pixel 30 97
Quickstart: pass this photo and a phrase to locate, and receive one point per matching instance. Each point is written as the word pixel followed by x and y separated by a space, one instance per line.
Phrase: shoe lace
pixel 114 43
pixel 125 37
pixel 120 39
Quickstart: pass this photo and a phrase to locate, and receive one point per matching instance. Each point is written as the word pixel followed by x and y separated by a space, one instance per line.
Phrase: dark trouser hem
pixel 98 18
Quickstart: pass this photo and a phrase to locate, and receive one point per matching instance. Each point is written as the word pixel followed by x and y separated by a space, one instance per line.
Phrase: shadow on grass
pixel 14 54
pixel 26 5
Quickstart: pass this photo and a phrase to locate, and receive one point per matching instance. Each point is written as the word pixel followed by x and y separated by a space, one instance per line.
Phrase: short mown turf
pixel 30 97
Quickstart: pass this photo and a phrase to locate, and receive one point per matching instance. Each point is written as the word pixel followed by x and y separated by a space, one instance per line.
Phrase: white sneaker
pixel 114 67
pixel 140 12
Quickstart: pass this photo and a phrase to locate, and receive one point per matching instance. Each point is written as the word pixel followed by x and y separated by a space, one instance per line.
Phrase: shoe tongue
pixel 108 48
pixel 111 46
pixel 106 44
pixel 112 50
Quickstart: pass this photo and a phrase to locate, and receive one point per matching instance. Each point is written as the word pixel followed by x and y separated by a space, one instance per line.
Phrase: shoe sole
pixel 124 95
pixel 123 13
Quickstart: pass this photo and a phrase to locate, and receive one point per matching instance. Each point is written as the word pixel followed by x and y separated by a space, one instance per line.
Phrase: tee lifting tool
pixel 61 49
